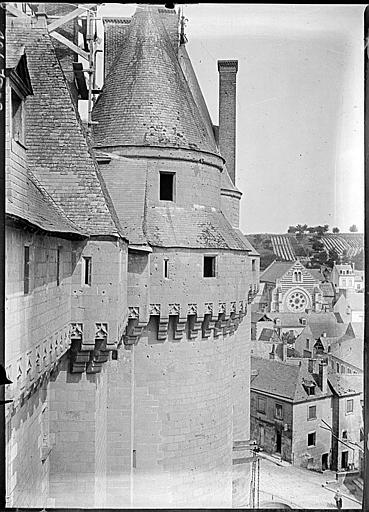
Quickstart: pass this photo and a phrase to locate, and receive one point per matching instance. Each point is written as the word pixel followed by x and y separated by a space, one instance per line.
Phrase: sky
pixel 300 105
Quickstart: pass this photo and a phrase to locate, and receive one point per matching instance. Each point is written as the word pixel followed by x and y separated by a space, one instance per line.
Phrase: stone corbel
pixel 195 324
pixel 133 331
pixel 179 328
pixel 163 328
pixel 208 325
pixel 219 324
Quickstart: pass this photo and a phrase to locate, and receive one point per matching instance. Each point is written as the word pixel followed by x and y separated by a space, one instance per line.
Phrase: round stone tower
pixel 178 388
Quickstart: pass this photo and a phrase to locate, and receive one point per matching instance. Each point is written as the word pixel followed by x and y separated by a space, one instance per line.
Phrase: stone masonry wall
pixel 311 456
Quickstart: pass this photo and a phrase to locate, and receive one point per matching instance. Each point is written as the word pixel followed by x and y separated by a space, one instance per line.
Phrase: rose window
pixel 297 301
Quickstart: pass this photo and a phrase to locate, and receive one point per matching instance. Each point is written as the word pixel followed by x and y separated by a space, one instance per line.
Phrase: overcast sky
pixel 300 106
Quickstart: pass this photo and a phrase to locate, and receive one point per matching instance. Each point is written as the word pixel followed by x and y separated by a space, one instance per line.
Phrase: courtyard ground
pixel 300 488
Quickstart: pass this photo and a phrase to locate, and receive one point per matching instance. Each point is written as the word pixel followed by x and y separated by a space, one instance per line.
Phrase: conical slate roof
pixel 146 100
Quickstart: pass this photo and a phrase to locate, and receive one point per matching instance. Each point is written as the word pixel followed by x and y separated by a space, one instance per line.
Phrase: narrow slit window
pixel 87 268
pixel 26 271
pixel 209 266
pixel 58 266
pixel 166 186
pixel 253 265
pixel 166 269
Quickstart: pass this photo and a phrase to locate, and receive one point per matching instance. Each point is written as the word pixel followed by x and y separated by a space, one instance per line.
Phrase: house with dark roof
pixel 347 420
pixel 289 403
pixel 127 271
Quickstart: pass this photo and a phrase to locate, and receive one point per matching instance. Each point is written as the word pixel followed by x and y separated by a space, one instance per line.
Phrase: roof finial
pixel 183 39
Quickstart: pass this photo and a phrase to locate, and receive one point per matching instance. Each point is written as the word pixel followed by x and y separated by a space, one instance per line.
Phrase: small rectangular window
pixel 311 390
pixel 349 405
pixel 312 412
pixel 166 269
pixel 253 265
pixel 312 439
pixel 261 405
pixel 209 266
pixel 17 117
pixel 86 270
pixel 58 266
pixel 134 460
pixel 278 411
pixel 344 434
pixel 26 271
pixel 166 186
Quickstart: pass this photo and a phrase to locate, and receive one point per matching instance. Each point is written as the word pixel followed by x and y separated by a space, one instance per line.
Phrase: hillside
pixel 312 250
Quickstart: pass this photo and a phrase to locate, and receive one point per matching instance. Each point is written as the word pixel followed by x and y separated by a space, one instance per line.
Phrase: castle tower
pixel 185 355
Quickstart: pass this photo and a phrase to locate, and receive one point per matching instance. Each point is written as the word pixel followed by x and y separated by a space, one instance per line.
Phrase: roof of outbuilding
pixel 58 153
pixel 284 380
pixel 347 384
pixel 146 94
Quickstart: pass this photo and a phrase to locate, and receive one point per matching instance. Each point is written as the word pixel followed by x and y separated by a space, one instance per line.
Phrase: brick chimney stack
pixel 227 113
pixel 323 376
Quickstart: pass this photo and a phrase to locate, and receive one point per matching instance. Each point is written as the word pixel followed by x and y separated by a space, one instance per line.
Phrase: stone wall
pixel 311 456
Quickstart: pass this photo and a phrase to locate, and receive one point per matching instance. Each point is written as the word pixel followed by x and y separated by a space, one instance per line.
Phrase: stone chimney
pixel 284 351
pixel 323 376
pixel 227 114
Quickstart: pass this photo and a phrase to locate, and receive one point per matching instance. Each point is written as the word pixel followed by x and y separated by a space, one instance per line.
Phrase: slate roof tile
pixel 58 153
pixel 146 94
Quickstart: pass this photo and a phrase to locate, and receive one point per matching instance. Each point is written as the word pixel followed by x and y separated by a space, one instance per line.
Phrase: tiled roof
pixel 289 319
pixel 253 251
pixel 38 208
pixel 146 100
pixel 350 351
pixel 325 322
pixel 283 379
pixel 327 288
pixel 193 228
pixel 275 270
pixel 346 384
pixel 267 334
pixel 58 153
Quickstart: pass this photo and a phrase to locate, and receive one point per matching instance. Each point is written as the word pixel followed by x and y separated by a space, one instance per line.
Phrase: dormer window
pixel 167 182
pixel 17 117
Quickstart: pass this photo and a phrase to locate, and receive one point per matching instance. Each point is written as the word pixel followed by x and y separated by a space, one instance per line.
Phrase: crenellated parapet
pixel 190 321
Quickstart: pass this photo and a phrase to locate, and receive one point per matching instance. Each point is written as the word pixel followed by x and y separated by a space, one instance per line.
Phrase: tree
pixel 335 230
pixel 325 228
pixel 318 246
pixel 353 228
pixel 291 229
pixel 332 258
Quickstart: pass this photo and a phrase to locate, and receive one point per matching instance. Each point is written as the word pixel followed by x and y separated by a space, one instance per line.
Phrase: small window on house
pixel 307 344
pixel 337 368
pixel 86 270
pixel 312 439
pixel 26 273
pixel 278 411
pixel 261 405
pixel 58 266
pixel 209 266
pixel 17 117
pixel 165 269
pixel 349 406
pixel 253 265
pixel 311 390
pixel 166 186
pixel 312 412
pixel 344 434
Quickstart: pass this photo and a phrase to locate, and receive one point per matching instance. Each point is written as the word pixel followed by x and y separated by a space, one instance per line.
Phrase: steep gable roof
pixel 275 271
pixel 344 385
pixel 146 100
pixel 58 153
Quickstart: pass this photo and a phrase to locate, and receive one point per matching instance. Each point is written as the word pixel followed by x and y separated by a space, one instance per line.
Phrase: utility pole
pixel 366 235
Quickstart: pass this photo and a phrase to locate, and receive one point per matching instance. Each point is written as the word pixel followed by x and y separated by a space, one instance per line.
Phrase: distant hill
pixel 311 249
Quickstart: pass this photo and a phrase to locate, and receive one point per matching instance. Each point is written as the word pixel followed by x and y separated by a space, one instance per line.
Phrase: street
pixel 299 488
